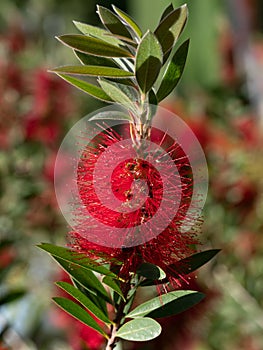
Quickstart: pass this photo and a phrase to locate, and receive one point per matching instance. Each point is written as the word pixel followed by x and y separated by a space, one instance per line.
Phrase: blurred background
pixel 220 96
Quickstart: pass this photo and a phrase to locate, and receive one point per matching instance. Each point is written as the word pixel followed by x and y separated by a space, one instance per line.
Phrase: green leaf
pixel 148 61
pixel 168 304
pixel 11 296
pixel 93 71
pixel 170 28
pixel 113 285
pixel 141 329
pixel 85 278
pixel 111 115
pixel 192 263
pixel 112 22
pixel 151 271
pixel 79 313
pixel 173 71
pixel 129 21
pixel 93 90
pixel 98 33
pixel 167 11
pixel 117 94
pixel 90 60
pixel 76 258
pixel 84 300
pixel 93 46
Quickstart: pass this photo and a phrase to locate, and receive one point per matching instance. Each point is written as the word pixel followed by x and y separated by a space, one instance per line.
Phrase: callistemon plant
pixel 135 207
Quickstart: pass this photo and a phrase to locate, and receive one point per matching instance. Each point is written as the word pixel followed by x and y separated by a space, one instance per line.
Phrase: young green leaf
pixel 111 115
pixel 148 61
pixel 170 28
pixel 79 313
pixel 98 33
pixel 92 90
pixel 86 278
pixel 192 263
pixel 76 258
pixel 151 271
pixel 84 300
pixel 113 285
pixel 90 60
pixel 141 329
pixel 112 22
pixel 168 304
pixel 173 71
pixel 93 71
pixel 129 21
pixel 117 94
pixel 93 46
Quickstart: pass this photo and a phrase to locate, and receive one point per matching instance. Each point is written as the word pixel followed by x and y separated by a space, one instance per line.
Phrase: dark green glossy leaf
pixel 84 277
pixel 141 329
pixel 148 61
pixel 93 71
pixel 173 71
pixel 170 28
pixel 11 296
pixel 167 11
pixel 84 300
pixel 98 33
pixel 93 46
pixel 112 22
pixel 151 271
pixel 168 304
pixel 192 263
pixel 76 258
pixel 90 60
pixel 113 284
pixel 118 93
pixel 111 115
pixel 96 298
pixel 129 21
pixel 93 90
pixel 79 313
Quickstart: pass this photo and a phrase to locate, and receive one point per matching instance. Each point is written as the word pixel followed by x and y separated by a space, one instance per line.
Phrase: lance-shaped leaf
pixel 110 282
pixel 96 71
pixel 11 296
pixel 166 12
pixel 151 271
pixel 129 21
pixel 90 60
pixel 113 23
pixel 74 257
pixel 79 313
pixel 148 61
pixel 142 329
pixel 84 300
pixel 173 71
pixel 168 304
pixel 97 32
pixel 170 28
pixel 116 93
pixel 86 278
pixel 93 46
pixel 92 90
pixel 192 263
pixel 112 115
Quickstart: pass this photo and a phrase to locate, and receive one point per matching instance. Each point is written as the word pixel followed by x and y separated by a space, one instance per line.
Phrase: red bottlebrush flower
pixel 171 242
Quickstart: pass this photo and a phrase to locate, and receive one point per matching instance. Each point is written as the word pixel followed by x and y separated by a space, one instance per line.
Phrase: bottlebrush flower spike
pixel 133 198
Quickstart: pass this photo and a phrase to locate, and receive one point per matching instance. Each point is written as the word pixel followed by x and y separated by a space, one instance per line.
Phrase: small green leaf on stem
pixel 93 71
pixel 112 115
pixel 129 21
pixel 79 313
pixel 93 46
pixel 173 71
pixel 148 61
pixel 151 271
pixel 141 329
pixel 110 282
